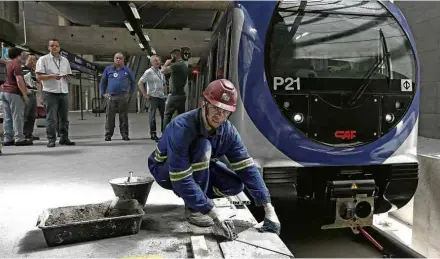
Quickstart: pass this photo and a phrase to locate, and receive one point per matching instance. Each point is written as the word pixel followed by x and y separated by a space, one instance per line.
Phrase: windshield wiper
pixel 386 56
pixel 294 29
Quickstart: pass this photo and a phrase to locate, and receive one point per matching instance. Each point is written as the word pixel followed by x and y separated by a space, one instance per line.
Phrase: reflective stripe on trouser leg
pixel 242 164
pixel 160 172
pixel 199 169
pixel 158 157
pixel 223 181
pixel 217 192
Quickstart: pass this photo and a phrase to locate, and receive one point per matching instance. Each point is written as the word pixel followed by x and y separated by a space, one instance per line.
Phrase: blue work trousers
pixel 216 181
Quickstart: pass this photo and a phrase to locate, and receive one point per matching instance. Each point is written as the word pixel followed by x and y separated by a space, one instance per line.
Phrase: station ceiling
pixel 169 24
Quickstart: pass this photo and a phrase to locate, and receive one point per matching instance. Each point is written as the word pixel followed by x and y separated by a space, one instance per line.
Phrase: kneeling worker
pixel 186 161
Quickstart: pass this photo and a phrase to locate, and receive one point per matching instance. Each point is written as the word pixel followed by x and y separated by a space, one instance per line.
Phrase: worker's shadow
pixel 33 241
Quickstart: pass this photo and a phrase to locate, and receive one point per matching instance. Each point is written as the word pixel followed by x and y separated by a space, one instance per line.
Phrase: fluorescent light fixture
pixel 141 45
pixel 153 51
pixel 146 37
pixel 134 10
pixel 128 26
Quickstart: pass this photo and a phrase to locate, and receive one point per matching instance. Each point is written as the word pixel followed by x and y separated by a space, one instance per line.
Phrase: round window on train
pixel 343 73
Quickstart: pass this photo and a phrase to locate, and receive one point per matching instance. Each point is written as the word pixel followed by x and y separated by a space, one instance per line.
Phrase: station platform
pixel 416 225
pixel 35 178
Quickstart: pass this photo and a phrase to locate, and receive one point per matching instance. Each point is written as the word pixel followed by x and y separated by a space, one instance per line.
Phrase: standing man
pixel 30 112
pixel 14 97
pixel 154 81
pixel 117 84
pixel 53 71
pixel 179 75
pixel 187 161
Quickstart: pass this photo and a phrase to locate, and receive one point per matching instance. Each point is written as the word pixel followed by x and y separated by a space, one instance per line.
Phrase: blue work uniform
pixel 185 162
pixel 117 80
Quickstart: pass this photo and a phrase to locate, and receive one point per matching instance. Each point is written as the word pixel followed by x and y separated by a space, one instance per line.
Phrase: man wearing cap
pixel 187 156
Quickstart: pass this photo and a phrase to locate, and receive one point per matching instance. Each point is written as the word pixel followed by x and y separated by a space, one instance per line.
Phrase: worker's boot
pixel 197 218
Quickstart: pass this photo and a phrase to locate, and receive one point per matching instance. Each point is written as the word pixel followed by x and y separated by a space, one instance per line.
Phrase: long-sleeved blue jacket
pixel 117 81
pixel 174 147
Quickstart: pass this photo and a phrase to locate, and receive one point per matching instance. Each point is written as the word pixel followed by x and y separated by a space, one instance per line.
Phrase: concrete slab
pixel 268 241
pixel 235 249
pixel 199 247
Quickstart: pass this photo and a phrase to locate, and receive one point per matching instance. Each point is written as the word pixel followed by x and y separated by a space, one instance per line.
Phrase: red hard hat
pixel 221 93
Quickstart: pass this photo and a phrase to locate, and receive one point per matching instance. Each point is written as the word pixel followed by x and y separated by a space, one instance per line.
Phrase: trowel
pixel 129 177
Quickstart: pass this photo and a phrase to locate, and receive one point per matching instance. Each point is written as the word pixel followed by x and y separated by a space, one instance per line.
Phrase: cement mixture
pixel 69 215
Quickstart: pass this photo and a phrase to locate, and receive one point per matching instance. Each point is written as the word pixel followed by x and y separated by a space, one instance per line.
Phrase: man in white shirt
pixel 152 86
pixel 53 71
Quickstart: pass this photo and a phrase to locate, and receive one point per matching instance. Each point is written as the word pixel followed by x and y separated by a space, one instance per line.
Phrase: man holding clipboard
pixel 53 70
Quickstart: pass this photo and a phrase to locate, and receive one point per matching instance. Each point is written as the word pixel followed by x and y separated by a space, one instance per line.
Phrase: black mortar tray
pixel 73 224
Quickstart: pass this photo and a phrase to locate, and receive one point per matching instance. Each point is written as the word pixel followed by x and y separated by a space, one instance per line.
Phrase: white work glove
pixel 270 213
pixel 271 222
pixel 222 226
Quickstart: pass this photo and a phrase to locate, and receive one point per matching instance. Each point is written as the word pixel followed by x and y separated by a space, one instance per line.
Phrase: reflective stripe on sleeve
pixel 200 166
pixel 178 176
pixel 242 164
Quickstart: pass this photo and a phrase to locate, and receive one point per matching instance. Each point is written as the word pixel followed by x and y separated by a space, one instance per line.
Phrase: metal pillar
pixel 81 95
pixel 98 96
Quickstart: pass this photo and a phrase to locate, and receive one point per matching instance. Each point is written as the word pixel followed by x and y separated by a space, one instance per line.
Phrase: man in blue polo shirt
pixel 117 84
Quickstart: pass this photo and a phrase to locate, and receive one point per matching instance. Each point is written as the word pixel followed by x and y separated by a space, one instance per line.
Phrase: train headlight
pixel 286 105
pixel 389 117
pixel 398 105
pixel 298 118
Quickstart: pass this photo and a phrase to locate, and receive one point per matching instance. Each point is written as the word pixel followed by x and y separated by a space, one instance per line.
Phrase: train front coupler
pixel 350 203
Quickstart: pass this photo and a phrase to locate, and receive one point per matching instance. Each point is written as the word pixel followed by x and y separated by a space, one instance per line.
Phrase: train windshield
pixel 342 72
pixel 320 39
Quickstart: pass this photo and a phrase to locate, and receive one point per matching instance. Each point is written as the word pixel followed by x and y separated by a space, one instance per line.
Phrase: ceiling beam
pixel 107 41
pixel 135 23
pixel 54 9
pixel 8 32
pixel 203 5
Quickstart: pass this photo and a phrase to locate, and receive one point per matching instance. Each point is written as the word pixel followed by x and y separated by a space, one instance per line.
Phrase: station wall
pixel 424 19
